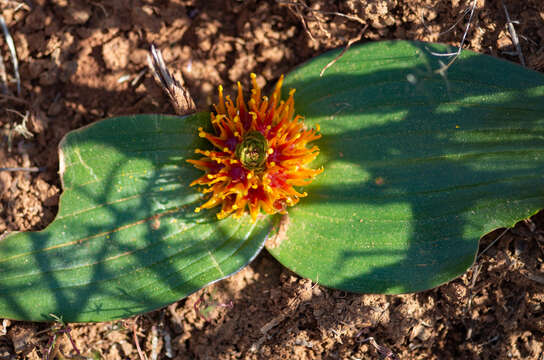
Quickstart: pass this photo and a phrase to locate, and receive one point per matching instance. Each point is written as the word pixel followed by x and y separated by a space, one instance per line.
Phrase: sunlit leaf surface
pixel 419 164
pixel 126 239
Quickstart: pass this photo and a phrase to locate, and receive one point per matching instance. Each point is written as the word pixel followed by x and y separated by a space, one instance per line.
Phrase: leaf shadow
pixel 72 299
pixel 126 239
pixel 440 161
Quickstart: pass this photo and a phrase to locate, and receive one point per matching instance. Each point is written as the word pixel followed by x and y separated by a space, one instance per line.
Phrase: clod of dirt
pixel 116 53
pixel 76 13
pixel 22 338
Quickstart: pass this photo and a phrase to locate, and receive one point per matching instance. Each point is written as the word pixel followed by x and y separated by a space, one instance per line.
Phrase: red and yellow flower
pixel 260 154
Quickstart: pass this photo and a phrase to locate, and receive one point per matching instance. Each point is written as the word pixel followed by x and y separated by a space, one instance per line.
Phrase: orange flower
pixel 259 157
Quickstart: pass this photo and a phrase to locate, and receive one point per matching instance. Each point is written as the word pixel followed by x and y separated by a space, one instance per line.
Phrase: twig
pixel 135 335
pixel 7 97
pixel 3 78
pixel 456 54
pixel 351 41
pixel 513 35
pixel 21 128
pixel 465 12
pixel 492 243
pixel 167 343
pixel 138 77
pixel 11 46
pixel 382 350
pixel 50 345
pixel 67 332
pixel 179 96
pixel 63 328
pixel 475 274
pixel 298 5
pixel 301 5
pixel 27 169
pixel 154 342
pixel 298 13
pixel 350 17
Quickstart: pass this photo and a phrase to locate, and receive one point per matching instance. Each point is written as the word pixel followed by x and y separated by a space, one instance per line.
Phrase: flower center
pixel 252 151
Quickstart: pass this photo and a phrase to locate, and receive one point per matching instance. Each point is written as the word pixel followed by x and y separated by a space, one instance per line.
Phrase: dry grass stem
pixel 492 243
pixel 298 13
pixel 13 53
pixel 27 169
pixel 470 295
pixel 451 28
pixel 3 78
pixel 455 55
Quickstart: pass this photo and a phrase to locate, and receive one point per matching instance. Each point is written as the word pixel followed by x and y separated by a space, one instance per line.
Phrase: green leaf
pixel 126 239
pixel 418 164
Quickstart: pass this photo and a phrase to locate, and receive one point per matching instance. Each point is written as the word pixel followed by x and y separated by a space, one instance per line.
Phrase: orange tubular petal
pixel 270 188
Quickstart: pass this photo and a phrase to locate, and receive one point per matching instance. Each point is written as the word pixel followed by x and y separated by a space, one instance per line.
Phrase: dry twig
pixel 27 169
pixel 295 9
pixel 179 96
pixel 492 243
pixel 351 41
pixel 3 78
pixel 467 10
pixel 137 342
pixel 350 17
pixel 513 35
pixel 382 350
pixel 300 5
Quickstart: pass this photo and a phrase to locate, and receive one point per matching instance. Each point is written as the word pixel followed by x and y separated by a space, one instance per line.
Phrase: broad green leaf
pixel 419 164
pixel 126 239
